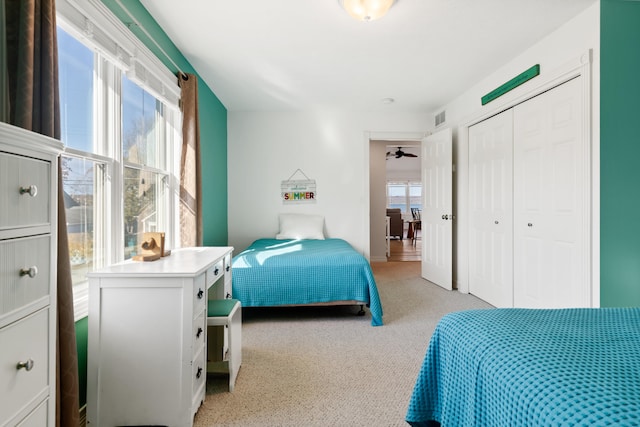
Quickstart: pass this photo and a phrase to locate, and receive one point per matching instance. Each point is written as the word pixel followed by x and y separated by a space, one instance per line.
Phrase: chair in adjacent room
pixel 416 224
pixel 396 223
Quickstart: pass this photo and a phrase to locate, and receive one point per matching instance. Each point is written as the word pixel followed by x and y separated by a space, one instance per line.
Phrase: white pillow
pixel 301 226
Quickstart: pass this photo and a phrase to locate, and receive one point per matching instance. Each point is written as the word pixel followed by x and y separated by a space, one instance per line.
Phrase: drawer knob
pixel 199 373
pixel 31 272
pixel 27 366
pixel 200 293
pixel 199 332
pixel 228 296
pixel 228 268
pixel 216 271
pixel 31 190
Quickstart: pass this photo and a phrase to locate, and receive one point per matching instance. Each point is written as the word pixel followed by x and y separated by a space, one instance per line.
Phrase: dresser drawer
pixel 22 342
pixel 24 271
pixel 25 186
pixel 37 418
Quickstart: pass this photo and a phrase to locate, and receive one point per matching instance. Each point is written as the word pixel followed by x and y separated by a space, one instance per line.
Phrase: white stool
pixel 224 350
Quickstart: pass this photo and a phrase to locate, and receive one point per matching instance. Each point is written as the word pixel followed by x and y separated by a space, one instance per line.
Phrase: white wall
pixel 265 148
pixel 333 148
pixel 553 53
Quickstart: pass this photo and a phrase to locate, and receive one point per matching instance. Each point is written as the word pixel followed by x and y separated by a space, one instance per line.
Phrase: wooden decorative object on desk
pixel 152 247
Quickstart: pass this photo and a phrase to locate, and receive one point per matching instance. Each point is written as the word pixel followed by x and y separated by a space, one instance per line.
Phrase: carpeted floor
pixel 306 366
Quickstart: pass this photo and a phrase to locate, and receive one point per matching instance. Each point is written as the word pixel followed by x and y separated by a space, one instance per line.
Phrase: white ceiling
pixel 264 55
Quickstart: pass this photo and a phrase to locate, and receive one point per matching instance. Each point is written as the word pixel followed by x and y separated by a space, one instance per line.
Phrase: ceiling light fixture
pixel 366 10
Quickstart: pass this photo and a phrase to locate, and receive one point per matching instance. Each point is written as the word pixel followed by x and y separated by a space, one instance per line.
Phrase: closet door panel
pixel 549 196
pixel 491 207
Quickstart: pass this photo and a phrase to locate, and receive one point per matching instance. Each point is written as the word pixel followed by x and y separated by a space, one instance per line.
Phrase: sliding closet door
pixel 491 210
pixel 550 187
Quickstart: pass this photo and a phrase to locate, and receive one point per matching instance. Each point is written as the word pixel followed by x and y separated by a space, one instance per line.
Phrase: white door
pixel 491 209
pixel 437 209
pixel 550 200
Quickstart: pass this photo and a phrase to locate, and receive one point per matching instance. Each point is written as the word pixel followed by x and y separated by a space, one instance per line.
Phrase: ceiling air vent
pixel 440 118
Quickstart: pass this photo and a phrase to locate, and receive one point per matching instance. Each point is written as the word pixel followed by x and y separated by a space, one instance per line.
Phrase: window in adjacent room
pixel 404 195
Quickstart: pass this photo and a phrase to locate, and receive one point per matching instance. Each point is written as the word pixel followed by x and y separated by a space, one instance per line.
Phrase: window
pixel 83 184
pixel 404 195
pixel 119 126
pixel 143 152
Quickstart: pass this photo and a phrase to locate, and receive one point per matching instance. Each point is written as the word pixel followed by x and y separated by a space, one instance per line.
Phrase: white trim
pixel 93 23
pixel 80 300
pixel 579 66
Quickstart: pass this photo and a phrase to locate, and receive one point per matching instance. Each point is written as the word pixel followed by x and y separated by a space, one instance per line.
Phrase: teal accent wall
pixel 82 326
pixel 619 153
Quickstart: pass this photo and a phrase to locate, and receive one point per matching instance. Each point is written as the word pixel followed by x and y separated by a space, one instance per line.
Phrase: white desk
pixel 147 353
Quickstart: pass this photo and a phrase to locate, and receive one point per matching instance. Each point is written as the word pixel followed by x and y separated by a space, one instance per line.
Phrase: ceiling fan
pixel 399 153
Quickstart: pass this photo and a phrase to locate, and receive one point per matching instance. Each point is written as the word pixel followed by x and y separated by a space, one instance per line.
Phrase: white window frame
pixel 120 51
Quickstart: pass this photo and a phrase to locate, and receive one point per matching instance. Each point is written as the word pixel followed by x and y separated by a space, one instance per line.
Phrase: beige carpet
pixel 306 366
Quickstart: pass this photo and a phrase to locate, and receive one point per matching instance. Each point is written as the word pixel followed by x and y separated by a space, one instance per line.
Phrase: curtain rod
pixel 137 23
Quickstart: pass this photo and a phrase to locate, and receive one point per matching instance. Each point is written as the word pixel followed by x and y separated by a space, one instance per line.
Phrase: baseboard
pixel 83 416
pixel 378 259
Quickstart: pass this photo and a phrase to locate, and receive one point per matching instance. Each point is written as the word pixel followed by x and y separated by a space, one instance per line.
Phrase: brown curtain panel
pixel 34 104
pixel 4 83
pixel 190 173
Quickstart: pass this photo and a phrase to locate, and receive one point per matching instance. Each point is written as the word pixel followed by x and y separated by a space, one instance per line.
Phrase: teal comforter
pixel 274 272
pixel 525 367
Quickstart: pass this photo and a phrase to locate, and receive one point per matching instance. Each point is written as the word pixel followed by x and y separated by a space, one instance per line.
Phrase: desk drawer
pixel 31 205
pixel 24 271
pixel 199 328
pixel 199 294
pixel 21 342
pixel 199 371
pixel 227 277
pixel 215 272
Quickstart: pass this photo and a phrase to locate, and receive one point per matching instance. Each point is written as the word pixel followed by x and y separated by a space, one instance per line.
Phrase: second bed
pixel 274 272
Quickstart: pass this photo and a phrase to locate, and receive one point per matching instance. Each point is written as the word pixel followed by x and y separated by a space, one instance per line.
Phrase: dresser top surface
pixel 182 262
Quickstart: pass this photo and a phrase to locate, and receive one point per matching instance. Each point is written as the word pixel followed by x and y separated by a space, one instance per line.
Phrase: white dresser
pixel 147 338
pixel 28 243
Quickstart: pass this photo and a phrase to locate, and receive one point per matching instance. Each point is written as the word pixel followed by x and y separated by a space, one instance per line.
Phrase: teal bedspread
pixel 523 367
pixel 274 272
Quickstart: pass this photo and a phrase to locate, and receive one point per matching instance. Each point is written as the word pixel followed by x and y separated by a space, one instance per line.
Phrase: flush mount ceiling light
pixel 366 10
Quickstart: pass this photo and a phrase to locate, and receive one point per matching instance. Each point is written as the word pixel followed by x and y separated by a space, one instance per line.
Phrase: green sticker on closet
pixel 511 84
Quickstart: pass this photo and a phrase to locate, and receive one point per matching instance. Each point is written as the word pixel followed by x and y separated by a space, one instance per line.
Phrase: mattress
pixel 527 367
pixel 274 272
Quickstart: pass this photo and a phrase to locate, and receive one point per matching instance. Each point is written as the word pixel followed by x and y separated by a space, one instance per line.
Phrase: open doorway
pixel 395 188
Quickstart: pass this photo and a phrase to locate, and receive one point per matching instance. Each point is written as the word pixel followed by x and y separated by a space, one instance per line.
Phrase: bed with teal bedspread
pixel 525 367
pixel 274 272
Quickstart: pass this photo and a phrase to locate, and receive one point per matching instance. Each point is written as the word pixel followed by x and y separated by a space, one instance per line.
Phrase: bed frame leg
pixel 361 312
